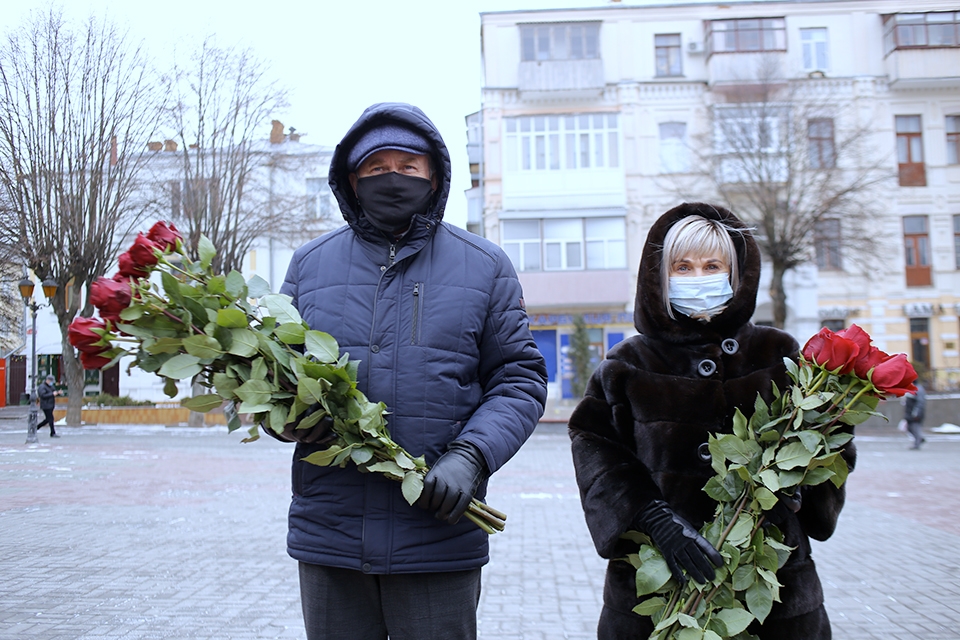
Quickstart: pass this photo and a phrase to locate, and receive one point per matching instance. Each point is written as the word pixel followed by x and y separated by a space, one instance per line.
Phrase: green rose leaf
pixel 280 308
pixel 203 347
pixel 202 404
pixel 181 366
pixel 765 497
pixel 170 387
pixel 324 458
pixel 759 600
pixel 235 285
pixel 257 287
pixel 811 440
pixel 650 606
pixel 735 620
pixel 793 455
pixel 322 346
pixel 231 318
pixel 225 385
pixel 652 575
pixel 412 486
pixel 311 391
pixel 132 312
pixel 254 392
pixel 206 252
pixel 244 342
pixel 290 333
pixel 387 467
pixel 163 345
pixel 687 633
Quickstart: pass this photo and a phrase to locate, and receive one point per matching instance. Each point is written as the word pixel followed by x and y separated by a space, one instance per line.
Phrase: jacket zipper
pixel 417 301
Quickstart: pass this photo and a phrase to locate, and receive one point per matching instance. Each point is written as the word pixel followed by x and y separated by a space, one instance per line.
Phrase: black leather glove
pixel 452 481
pixel 681 545
pixel 319 434
pixel 786 504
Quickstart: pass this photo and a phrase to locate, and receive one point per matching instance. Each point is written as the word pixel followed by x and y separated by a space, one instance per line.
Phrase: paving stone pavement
pixel 145 532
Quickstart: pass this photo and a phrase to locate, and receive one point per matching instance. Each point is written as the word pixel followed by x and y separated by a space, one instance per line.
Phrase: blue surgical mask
pixel 700 297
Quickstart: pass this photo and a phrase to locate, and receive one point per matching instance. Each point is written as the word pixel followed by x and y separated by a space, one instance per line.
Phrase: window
pixel 916 244
pixel 826 242
pixel 558 244
pixel 921 30
pixel 562 142
pixel 667 50
pixel 953 139
pixel 749 143
pixel 567 41
pixel 920 342
pixel 910 152
pixel 318 193
pixel 956 240
pixel 820 139
pixel 674 153
pixel 814 44
pixel 756 34
pixel 606 243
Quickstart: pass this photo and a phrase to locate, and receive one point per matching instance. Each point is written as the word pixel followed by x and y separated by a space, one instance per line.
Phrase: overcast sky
pixel 336 56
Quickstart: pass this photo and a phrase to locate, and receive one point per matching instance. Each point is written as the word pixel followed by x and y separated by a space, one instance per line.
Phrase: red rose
pixel 93 361
pixel 895 376
pixel 869 356
pixel 143 252
pixel 82 334
pixel 165 235
pixel 129 268
pixel 831 351
pixel 110 297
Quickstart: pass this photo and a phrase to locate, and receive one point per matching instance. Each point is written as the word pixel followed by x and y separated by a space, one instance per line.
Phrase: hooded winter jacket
pixel 436 319
pixel 639 433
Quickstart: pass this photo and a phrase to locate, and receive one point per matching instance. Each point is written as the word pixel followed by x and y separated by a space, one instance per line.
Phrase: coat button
pixel 706 368
pixel 730 346
pixel 375 348
pixel 366 567
pixel 703 451
pixel 383 267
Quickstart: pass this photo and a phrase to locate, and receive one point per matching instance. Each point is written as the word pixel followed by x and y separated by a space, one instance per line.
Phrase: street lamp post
pixel 26 292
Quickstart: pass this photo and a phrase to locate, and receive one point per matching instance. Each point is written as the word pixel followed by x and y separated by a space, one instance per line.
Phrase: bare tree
pixel 224 184
pixel 77 105
pixel 794 160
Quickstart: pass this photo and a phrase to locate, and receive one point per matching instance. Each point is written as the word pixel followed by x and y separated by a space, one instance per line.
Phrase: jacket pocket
pixel 417 313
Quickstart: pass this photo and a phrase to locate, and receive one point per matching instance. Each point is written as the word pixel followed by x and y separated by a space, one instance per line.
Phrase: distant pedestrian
pixel 47 397
pixel 914 409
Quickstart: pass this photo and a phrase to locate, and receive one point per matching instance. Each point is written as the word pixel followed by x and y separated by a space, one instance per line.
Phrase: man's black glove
pixel 319 434
pixel 682 547
pixel 452 481
pixel 786 504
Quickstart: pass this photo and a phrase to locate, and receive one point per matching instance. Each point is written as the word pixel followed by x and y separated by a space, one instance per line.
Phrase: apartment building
pixel 594 121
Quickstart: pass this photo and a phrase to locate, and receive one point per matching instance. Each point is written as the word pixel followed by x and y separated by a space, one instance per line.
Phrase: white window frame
pixel 562 142
pixel 815 48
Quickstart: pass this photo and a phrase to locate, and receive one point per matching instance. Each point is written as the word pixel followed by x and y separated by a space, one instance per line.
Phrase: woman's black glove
pixel 682 547
pixel 452 481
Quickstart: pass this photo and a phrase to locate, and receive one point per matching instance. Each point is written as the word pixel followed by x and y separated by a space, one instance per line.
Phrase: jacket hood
pixel 397 113
pixel 650 314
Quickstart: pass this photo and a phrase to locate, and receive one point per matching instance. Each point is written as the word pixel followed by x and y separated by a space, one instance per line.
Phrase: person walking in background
pixel 914 409
pixel 46 397
pixel 639 435
pixel 435 316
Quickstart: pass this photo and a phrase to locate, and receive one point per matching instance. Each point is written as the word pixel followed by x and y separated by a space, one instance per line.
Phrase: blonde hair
pixel 696 236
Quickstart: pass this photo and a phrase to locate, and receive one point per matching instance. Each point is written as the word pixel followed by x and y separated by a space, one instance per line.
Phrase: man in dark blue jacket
pixel 436 317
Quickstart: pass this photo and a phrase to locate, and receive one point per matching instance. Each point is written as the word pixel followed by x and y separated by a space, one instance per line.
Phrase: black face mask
pixel 390 200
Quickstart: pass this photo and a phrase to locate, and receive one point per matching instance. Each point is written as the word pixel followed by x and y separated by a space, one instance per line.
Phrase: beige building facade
pixel 595 121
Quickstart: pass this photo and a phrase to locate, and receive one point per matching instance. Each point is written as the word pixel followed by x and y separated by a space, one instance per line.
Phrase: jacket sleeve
pixel 512 373
pixel 291 280
pixel 614 484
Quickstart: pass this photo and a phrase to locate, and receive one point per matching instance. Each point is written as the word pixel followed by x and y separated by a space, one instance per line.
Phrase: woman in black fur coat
pixel 639 434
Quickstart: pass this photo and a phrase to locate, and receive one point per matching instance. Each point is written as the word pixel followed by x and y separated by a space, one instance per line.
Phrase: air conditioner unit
pixel 695 47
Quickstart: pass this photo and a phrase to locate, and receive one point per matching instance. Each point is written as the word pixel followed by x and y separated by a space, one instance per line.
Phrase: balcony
pixel 545 290
pixel 743 75
pixel 561 79
pixel 923 68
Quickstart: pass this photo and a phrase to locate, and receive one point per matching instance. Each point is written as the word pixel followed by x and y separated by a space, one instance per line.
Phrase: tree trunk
pixel 778 297
pixel 75 383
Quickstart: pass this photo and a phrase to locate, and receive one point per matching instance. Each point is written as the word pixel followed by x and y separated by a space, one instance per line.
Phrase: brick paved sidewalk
pixel 147 532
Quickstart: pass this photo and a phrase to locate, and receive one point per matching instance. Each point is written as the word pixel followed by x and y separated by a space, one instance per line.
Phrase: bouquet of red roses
pixel 794 442
pixel 249 348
